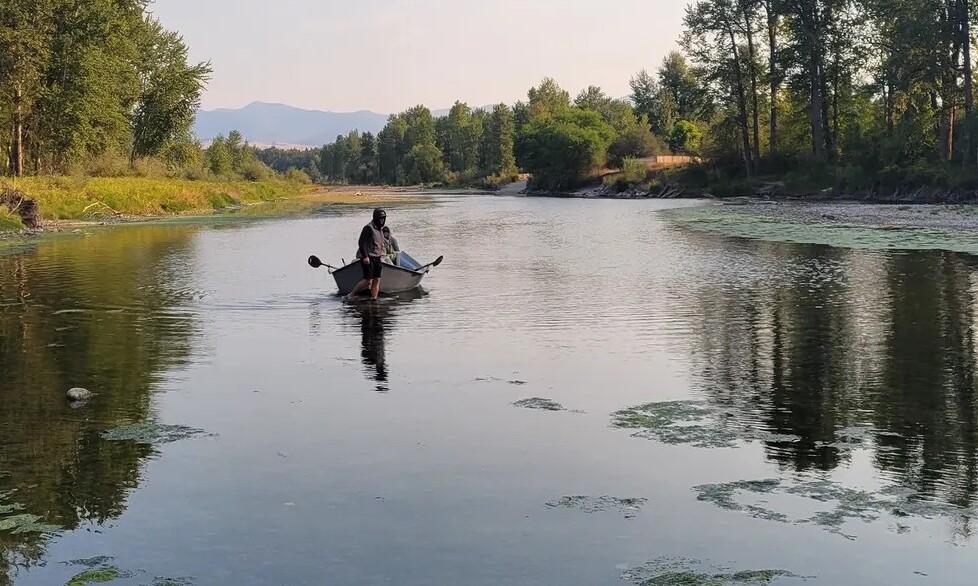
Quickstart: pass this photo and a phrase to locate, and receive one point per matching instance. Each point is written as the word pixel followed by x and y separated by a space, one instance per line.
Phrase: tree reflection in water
pixel 852 350
pixel 107 312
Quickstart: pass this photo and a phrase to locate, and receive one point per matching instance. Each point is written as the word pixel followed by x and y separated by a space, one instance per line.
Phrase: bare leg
pixel 374 288
pixel 361 286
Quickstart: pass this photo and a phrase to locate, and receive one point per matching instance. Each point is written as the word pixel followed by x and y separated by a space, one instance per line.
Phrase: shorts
pixel 372 270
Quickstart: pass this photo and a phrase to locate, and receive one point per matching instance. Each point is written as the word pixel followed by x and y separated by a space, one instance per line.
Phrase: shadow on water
pixel 376 319
pixel 103 313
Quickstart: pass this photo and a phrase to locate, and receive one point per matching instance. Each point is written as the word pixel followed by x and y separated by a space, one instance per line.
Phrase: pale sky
pixel 388 55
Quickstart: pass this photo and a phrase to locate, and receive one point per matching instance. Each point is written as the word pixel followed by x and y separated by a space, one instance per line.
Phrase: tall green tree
pixel 170 90
pixel 548 98
pixel 26 27
pixel 498 143
pixel 391 149
pixel 460 137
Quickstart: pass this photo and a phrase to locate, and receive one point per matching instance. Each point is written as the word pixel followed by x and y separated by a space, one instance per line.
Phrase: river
pixel 710 407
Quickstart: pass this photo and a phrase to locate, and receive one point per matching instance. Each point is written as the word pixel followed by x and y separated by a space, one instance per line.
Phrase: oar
pixel 315 263
pixel 436 262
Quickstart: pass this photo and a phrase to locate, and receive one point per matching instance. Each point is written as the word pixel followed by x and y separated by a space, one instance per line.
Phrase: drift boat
pixel 404 276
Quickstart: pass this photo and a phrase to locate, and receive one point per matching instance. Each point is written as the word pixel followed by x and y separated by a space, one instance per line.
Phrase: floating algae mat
pixel 729 221
pixel 598 504
pixel 98 574
pixel 152 433
pixel 539 403
pixel 836 504
pixel 690 572
pixel 13 520
pixel 100 569
pixel 696 423
pixel 182 581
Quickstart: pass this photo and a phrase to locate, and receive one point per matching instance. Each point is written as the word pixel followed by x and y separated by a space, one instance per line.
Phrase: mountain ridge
pixel 274 123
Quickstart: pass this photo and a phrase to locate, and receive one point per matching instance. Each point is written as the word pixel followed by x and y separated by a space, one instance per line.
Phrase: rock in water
pixel 78 394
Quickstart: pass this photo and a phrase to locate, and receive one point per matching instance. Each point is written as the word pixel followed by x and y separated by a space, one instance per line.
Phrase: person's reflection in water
pixel 374 319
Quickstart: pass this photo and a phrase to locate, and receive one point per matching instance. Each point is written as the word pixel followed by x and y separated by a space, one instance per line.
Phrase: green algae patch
pixel 842 232
pixel 26 523
pixel 152 433
pixel 16 522
pixel 599 504
pixel 837 504
pixel 696 423
pixel 690 572
pixel 540 404
pixel 92 562
pixel 181 581
pixel 100 569
pixel 97 576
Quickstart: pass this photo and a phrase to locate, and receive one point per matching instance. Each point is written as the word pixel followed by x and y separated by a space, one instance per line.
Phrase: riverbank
pixel 72 201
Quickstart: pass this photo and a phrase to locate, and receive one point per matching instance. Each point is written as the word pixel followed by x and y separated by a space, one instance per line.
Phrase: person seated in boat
pixel 370 248
pixel 393 250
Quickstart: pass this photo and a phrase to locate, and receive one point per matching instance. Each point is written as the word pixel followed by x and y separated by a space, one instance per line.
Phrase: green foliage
pixel 686 138
pixel 9 221
pixel 218 156
pixel 617 113
pixel 497 155
pixel 423 164
pixel 634 173
pixel 171 90
pixel 81 79
pixel 94 197
pixel 297 176
pixel 458 136
pixel 548 98
pixel 561 150
pixel 636 142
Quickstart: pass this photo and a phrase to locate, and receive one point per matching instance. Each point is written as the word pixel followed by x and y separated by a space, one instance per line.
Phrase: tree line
pixel 558 140
pixel 855 86
pixel 865 92
pixel 80 79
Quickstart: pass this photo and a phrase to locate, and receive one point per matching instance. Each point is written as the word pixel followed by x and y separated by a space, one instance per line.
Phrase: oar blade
pixel 314 262
pixel 438 261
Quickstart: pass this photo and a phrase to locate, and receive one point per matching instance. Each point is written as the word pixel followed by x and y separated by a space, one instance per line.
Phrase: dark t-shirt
pixel 371 242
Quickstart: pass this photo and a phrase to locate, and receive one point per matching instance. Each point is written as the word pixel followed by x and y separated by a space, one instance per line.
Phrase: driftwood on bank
pixel 23 206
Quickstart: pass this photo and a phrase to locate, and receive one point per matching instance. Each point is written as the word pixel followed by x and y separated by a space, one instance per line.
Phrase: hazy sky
pixel 387 55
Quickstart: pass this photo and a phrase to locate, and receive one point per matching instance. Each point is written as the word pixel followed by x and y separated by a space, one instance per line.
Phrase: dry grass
pixel 80 198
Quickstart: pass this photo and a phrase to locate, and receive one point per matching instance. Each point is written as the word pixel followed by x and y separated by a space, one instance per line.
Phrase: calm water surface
pixel 372 444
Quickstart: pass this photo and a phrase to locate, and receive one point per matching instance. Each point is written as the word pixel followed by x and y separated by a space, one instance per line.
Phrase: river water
pixel 729 405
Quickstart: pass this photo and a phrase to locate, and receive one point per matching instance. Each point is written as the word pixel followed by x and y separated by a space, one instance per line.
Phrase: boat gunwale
pixel 386 266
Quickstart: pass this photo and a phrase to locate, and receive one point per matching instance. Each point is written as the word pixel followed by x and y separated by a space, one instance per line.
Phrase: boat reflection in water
pixel 376 318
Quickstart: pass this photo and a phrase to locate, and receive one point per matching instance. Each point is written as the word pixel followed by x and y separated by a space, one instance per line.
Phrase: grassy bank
pixel 131 198
pixel 76 198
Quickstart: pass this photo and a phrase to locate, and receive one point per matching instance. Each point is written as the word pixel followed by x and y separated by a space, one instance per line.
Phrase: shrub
pixel 297 176
pixel 106 164
pixel 636 142
pixel 149 167
pixel 9 220
pixel 255 170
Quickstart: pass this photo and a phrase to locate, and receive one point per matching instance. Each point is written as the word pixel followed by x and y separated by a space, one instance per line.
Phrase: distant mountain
pixel 267 124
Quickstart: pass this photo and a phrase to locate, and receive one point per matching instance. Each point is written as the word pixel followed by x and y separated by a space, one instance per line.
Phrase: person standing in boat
pixel 370 248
